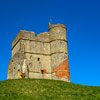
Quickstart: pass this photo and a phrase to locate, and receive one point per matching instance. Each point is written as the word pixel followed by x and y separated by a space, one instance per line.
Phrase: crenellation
pixel 27 35
pixel 23 35
pixel 43 37
pixel 44 56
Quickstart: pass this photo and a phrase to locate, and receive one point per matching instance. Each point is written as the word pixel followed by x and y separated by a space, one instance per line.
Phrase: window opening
pixel 38 59
pixel 18 70
pixel 42 71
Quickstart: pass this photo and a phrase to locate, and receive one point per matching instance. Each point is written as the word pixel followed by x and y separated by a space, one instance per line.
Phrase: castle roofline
pixel 57 25
pixel 26 31
pixel 21 31
pixel 45 33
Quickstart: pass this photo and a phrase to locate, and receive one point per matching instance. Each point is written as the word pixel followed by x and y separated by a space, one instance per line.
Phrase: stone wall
pixel 58 48
pixel 43 54
pixel 26 41
pixel 15 66
pixel 16 48
pixel 62 71
pixel 57 31
pixel 36 47
pixel 38 62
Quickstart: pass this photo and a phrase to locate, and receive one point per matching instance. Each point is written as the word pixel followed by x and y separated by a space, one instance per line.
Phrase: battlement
pixel 28 35
pixel 57 25
pixel 43 37
pixel 23 35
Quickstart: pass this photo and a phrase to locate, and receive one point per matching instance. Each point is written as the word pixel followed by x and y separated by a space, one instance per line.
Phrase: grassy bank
pixel 35 89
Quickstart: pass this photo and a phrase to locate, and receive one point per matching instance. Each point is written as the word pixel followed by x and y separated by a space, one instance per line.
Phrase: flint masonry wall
pixel 46 52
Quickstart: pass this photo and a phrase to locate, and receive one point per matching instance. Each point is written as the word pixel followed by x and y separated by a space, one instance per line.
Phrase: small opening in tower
pixel 42 71
pixel 18 70
pixel 38 59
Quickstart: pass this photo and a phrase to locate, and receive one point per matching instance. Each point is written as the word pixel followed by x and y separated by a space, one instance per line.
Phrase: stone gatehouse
pixel 43 56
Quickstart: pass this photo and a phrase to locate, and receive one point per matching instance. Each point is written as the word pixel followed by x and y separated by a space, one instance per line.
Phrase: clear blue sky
pixel 82 18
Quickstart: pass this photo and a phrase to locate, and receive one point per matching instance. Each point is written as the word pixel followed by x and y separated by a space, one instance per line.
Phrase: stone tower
pixel 44 56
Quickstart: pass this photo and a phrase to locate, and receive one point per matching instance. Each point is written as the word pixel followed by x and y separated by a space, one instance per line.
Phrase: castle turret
pixel 59 55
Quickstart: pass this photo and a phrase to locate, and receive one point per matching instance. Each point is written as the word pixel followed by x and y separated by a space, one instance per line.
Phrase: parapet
pixel 57 32
pixel 28 35
pixel 43 37
pixel 23 35
pixel 57 25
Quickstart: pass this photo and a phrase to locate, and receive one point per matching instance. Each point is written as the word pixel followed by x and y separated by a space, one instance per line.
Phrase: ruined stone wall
pixel 17 43
pixel 62 71
pixel 58 46
pixel 10 70
pixel 37 53
pixel 36 47
pixel 16 48
pixel 57 31
pixel 15 66
pixel 37 63
pixel 46 54
pixel 26 41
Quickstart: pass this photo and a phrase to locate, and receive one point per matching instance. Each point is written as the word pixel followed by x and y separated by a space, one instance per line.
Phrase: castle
pixel 43 57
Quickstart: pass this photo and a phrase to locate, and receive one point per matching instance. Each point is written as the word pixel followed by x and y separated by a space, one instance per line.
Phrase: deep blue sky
pixel 82 18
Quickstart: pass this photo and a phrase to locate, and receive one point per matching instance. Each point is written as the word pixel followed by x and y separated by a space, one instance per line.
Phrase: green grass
pixel 36 89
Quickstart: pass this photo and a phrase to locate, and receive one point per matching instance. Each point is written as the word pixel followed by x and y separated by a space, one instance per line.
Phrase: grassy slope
pixel 35 89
